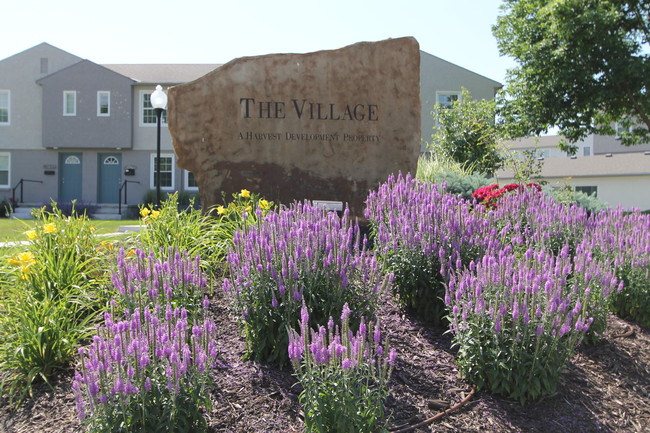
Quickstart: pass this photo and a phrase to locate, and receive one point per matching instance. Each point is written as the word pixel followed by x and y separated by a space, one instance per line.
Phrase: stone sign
pixel 327 126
